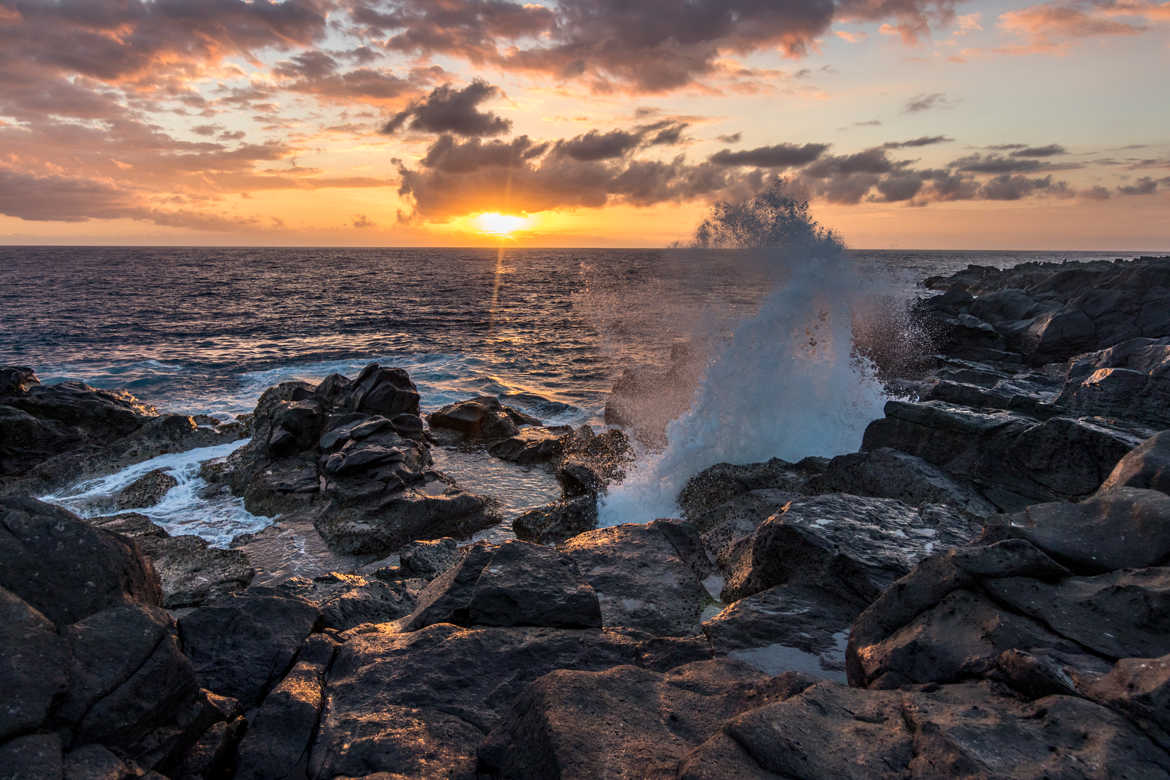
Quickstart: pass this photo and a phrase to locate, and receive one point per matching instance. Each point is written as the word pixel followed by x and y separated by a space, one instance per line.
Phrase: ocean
pixel 201 330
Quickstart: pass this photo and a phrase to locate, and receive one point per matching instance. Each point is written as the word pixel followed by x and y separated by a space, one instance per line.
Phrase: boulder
pixel 1014 460
pixel 641 576
pixel 477 418
pixel 889 473
pixel 33 665
pixel 145 491
pixel 419 703
pixel 532 445
pixel 1145 466
pixel 639 723
pixel 828 730
pixel 850 546
pixel 558 521
pixel 428 559
pixel 1130 380
pixel 65 568
pixel 1119 529
pixel 1139 688
pixel 192 572
pixel 512 584
pixel 244 644
pixel 281 732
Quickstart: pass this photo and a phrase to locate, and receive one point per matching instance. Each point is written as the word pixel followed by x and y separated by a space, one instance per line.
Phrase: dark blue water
pixel 206 330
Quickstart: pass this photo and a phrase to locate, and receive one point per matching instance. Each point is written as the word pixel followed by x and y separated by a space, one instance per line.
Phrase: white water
pixel 786 385
pixel 185 509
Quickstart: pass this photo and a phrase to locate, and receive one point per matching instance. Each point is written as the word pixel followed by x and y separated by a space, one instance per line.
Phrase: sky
pixel 906 123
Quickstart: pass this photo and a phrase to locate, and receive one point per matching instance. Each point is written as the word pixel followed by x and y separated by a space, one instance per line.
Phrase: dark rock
pixel 715 486
pixel 419 703
pixel 1130 380
pixel 1140 689
pixel 558 521
pixel 96 762
pixel 128 675
pixel 888 473
pixel 579 478
pixel 33 665
pixel 829 730
pixel 641 578
pixel 786 628
pixel 384 521
pixel 385 391
pixel 213 754
pixel 192 572
pixel 1117 615
pixel 64 567
pixel 1123 528
pixel 477 418
pixel 1013 459
pixel 131 524
pixel 145 491
pixel 32 757
pixel 1146 466
pixel 240 646
pixel 639 723
pixel 281 732
pixel 850 546
pixel 428 559
pixel 531 445
pixel 513 584
pixel 348 600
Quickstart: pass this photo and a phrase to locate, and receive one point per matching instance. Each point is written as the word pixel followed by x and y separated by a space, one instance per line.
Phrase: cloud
pixel 449 110
pixel 361 221
pixel 778 156
pixel 998 164
pixel 1143 186
pixel 730 138
pixel 1039 151
pixel 925 102
pixel 926 140
pixel 1048 25
pixel 1013 187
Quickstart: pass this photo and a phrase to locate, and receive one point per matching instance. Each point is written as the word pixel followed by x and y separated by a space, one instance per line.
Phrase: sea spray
pixel 788 383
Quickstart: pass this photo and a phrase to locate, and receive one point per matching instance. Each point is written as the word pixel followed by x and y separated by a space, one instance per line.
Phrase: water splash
pixel 788 383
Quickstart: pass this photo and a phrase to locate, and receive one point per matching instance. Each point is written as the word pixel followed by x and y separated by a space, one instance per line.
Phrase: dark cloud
pixel 778 156
pixel 449 110
pixel 926 140
pixel 649 46
pixel 868 123
pixel 1013 187
pixel 362 221
pixel 870 161
pixel 925 102
pixel 1143 186
pixel 1096 193
pixel 998 164
pixel 730 138
pixel 596 145
pixel 110 40
pixel 665 133
pixel 451 156
pixel 900 186
pixel 1039 151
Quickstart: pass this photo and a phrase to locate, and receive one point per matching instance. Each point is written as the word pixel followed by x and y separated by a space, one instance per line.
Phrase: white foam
pixel 185 509
pixel 786 384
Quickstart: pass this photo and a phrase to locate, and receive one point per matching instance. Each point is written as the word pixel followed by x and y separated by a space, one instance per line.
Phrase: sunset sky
pixel 907 123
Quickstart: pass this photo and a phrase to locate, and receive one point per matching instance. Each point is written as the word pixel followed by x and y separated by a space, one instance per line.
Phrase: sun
pixel 493 223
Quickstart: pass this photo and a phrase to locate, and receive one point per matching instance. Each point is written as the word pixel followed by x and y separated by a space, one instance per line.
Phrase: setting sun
pixel 494 223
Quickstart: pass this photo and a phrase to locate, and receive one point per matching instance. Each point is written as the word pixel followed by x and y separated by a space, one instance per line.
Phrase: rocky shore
pixel 982 590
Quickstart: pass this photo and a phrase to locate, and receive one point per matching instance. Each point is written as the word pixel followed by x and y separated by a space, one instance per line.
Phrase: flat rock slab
pixel 847 545
pixel 242 645
pixel 829 730
pixel 513 584
pixel 419 703
pixel 641 578
pixel 622 722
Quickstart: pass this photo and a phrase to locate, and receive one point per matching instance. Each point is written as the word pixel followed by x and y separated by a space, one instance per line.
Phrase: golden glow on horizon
pixel 493 223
